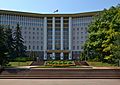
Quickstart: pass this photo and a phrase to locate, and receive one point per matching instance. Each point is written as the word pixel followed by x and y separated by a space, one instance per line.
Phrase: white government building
pixel 51 36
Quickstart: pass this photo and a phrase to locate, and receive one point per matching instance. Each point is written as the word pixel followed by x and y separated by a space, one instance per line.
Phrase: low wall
pixel 61 73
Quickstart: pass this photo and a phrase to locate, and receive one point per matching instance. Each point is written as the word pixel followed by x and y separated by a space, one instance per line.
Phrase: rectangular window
pixel 41 47
pixel 33 47
pixel 37 47
pixel 29 47
pixel 33 28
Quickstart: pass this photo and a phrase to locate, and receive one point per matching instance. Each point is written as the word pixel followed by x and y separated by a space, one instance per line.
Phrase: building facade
pixel 50 36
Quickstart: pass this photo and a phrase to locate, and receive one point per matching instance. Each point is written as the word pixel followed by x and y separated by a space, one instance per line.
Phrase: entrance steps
pixel 81 63
pixel 37 63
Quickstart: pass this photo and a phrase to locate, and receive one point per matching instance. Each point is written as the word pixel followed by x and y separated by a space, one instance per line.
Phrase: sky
pixel 63 6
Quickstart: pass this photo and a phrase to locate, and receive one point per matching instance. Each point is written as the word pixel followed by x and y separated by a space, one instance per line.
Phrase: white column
pixel 53 36
pixel 45 38
pixel 53 33
pixel 53 55
pixel 70 27
pixel 61 55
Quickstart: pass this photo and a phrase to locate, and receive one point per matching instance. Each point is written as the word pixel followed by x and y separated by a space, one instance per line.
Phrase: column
pixel 45 38
pixel 61 55
pixel 70 27
pixel 53 56
pixel 53 36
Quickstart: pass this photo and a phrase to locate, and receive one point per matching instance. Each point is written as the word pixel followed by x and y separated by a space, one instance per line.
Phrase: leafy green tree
pixel 20 48
pixel 102 31
pixel 116 49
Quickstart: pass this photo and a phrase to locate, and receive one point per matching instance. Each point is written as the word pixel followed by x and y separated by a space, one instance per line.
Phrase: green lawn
pixel 100 64
pixel 20 63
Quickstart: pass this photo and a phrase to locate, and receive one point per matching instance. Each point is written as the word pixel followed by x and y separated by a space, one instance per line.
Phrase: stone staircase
pixel 37 63
pixel 81 63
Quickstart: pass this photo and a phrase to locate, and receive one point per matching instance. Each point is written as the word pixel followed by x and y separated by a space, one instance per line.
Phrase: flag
pixel 56 11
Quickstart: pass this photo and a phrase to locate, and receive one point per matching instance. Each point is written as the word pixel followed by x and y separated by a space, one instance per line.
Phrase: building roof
pixel 47 15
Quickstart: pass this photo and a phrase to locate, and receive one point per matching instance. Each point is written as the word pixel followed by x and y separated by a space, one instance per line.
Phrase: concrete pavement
pixel 59 81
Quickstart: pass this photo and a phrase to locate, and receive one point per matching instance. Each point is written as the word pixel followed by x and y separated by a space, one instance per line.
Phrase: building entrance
pixel 49 56
pixel 66 56
pixel 57 56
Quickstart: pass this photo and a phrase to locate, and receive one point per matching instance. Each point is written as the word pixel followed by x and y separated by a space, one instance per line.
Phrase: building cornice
pixel 47 15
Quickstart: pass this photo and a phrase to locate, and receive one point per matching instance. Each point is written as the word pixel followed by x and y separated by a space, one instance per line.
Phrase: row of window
pixel 80 28
pixel 35 47
pixel 22 23
pixel 41 33
pixel 81 24
pixel 38 42
pixel 78 37
pixel 76 52
pixel 33 37
pixel 21 18
pixel 77 47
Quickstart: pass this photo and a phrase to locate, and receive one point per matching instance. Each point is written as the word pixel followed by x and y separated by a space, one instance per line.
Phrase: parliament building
pixel 51 36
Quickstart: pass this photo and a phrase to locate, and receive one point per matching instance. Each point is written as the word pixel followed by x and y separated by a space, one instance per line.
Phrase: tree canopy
pixel 102 35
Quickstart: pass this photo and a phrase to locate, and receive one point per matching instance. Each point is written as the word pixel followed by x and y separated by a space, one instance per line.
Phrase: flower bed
pixel 59 63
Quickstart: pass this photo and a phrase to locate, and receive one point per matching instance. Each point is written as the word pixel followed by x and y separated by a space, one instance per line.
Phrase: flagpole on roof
pixel 55 11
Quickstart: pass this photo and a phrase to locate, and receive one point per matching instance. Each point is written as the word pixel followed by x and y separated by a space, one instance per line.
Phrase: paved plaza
pixel 59 81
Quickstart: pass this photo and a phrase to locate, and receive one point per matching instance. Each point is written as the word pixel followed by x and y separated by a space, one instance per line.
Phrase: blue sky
pixel 64 6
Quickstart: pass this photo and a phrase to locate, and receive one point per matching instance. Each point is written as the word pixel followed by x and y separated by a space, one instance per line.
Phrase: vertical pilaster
pixel 61 55
pixel 70 27
pixel 45 38
pixel 53 36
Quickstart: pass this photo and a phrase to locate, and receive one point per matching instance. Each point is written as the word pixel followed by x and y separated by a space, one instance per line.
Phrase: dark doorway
pixel 49 56
pixel 66 56
pixel 57 56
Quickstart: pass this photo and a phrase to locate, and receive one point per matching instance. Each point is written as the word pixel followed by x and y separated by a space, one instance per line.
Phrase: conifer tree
pixel 20 48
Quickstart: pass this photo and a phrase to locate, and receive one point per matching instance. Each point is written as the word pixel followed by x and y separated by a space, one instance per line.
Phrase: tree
pixel 3 49
pixel 102 31
pixel 20 48
pixel 9 42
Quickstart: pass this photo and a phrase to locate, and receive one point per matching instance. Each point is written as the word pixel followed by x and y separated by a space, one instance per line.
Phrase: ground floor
pixel 55 54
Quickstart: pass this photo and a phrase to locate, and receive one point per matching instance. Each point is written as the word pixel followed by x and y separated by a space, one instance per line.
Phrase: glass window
pixel 41 47
pixel 25 28
pixel 25 32
pixel 41 42
pixel 81 28
pixel 81 36
pixel 73 47
pixel 37 47
pixel 41 29
pixel 37 32
pixel 25 37
pixel 29 37
pixel 33 37
pixel 37 37
pixel 37 28
pixel 29 47
pixel 33 47
pixel 33 28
